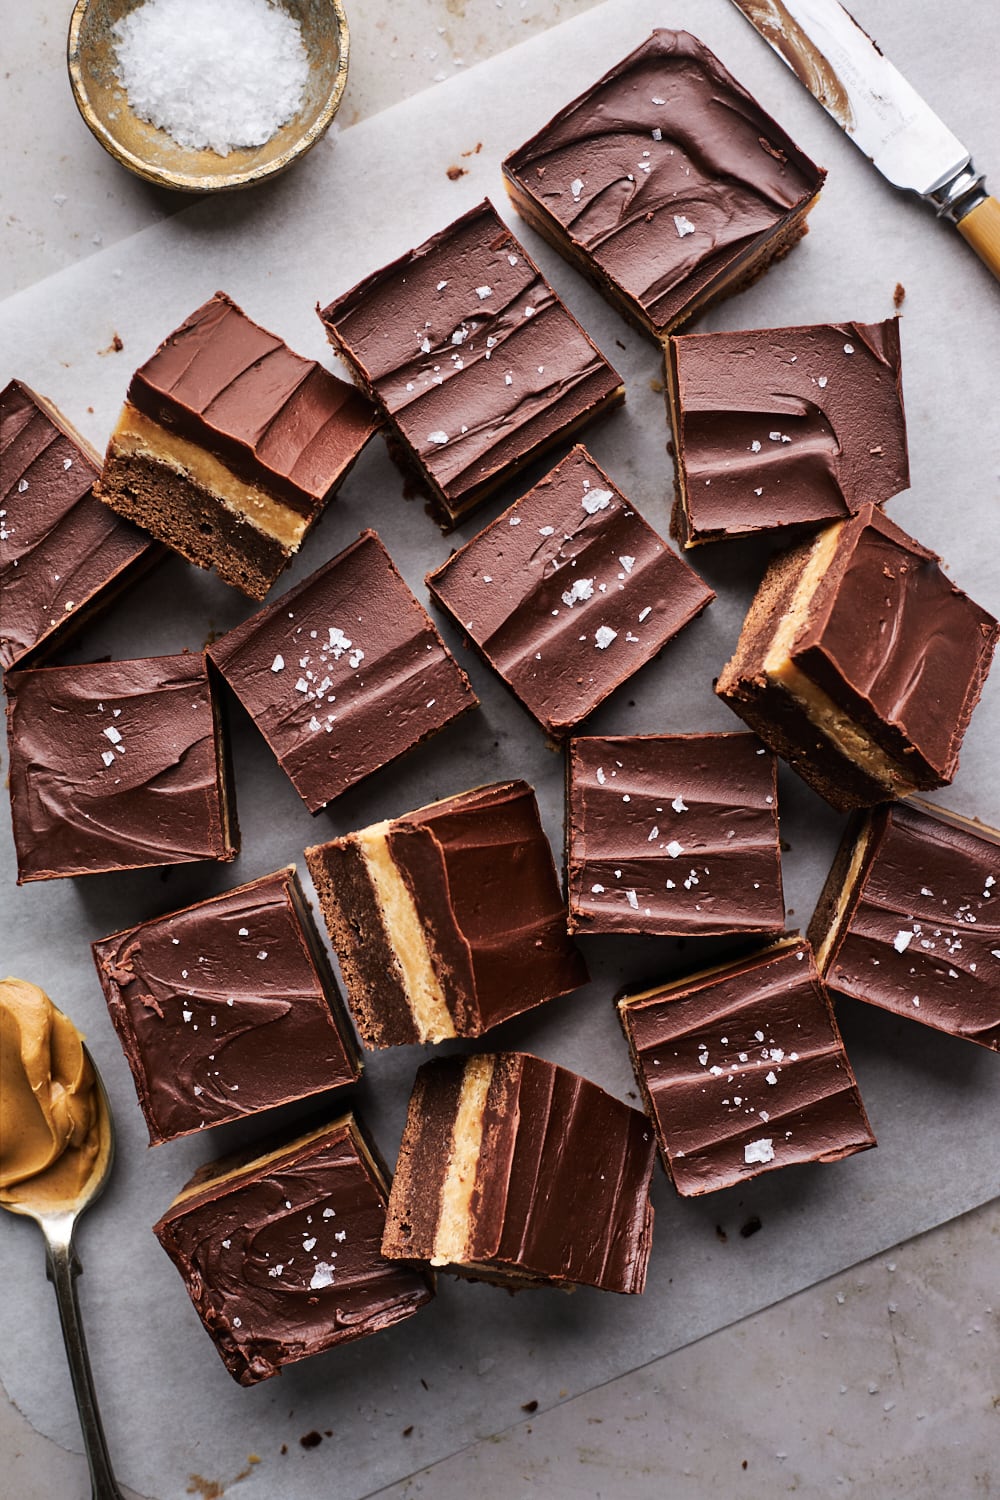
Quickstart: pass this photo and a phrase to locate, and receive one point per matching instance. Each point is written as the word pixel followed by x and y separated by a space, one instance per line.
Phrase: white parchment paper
pixel 463 1368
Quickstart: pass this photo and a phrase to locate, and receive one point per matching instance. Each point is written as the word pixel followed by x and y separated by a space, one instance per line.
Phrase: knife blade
pixel 846 72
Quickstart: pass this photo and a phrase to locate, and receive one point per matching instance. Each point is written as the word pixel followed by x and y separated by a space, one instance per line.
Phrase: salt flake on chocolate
pixel 596 500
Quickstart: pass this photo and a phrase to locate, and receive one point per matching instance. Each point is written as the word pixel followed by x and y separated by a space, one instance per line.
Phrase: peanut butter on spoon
pixel 49 1124
pixel 56 1148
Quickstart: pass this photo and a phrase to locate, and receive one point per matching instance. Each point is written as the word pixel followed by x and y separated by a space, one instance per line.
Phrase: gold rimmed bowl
pixel 152 153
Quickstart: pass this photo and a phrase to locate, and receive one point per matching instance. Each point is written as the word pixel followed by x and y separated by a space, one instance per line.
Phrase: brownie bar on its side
pixel 860 663
pixel 665 183
pixel 909 919
pixel 743 1070
pixel 116 766
pixel 229 445
pixel 471 355
pixel 784 426
pixel 517 1171
pixel 62 555
pixel 673 835
pixel 569 592
pixel 448 920
pixel 227 1008
pixel 344 673
pixel 280 1252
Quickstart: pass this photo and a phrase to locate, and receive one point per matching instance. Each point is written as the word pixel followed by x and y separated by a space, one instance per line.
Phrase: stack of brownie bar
pixel 859 664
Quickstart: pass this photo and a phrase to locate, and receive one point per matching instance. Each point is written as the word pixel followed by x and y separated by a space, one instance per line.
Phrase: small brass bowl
pixel 153 154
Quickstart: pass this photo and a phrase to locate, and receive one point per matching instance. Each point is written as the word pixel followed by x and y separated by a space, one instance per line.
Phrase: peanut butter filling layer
pixel 403 928
pixel 829 720
pixel 451 1239
pixel 137 434
pixel 822 948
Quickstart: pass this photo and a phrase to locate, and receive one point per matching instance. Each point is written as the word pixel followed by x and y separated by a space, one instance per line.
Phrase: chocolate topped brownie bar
pixel 910 919
pixel 517 1171
pixel 448 920
pixel 473 358
pixel 666 183
pixel 569 592
pixel 229 445
pixel 279 1252
pixel 860 662
pixel 343 673
pixel 784 426
pixel 744 1071
pixel 62 555
pixel 673 834
pixel 226 1008
pixel 115 766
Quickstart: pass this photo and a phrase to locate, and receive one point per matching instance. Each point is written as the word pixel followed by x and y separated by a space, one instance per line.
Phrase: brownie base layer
pixel 192 520
pixel 447 514
pixel 738 278
pixel 372 978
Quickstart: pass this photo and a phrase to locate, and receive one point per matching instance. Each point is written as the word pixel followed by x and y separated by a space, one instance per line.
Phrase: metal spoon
pixel 57 1223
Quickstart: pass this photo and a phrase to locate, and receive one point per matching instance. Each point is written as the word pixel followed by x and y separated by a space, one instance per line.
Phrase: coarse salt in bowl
pixel 208 97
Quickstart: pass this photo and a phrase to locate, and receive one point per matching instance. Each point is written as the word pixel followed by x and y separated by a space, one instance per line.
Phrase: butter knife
pixel 884 116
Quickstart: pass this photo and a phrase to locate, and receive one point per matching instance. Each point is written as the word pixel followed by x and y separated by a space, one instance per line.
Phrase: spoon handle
pixel 63 1268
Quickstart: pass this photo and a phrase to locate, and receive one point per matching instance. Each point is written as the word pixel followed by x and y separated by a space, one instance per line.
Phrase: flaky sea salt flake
pixel 218 77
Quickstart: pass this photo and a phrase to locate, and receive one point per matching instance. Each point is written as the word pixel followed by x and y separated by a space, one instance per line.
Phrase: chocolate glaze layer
pixel 919 929
pixel 115 766
pixel 744 1070
pixel 282 1260
pixel 569 592
pixel 666 174
pixel 61 553
pixel 562 1182
pixel 343 673
pixel 480 873
pixel 673 834
pixel 226 1008
pixel 899 651
pixel 785 425
pixel 898 645
pixel 469 351
pixel 274 418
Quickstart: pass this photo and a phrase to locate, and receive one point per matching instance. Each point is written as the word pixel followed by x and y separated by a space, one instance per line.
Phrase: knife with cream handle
pixel 886 118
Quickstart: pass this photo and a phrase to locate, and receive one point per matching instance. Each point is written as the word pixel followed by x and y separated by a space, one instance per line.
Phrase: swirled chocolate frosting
pixel 114 766
pixel 485 933
pixel 61 553
pixel 569 592
pixel 281 1254
pixel 343 673
pixel 226 1008
pixel 466 347
pixel 666 178
pixel 897 644
pixel 274 418
pixel 779 426
pixel 910 920
pixel 744 1070
pixel 673 834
